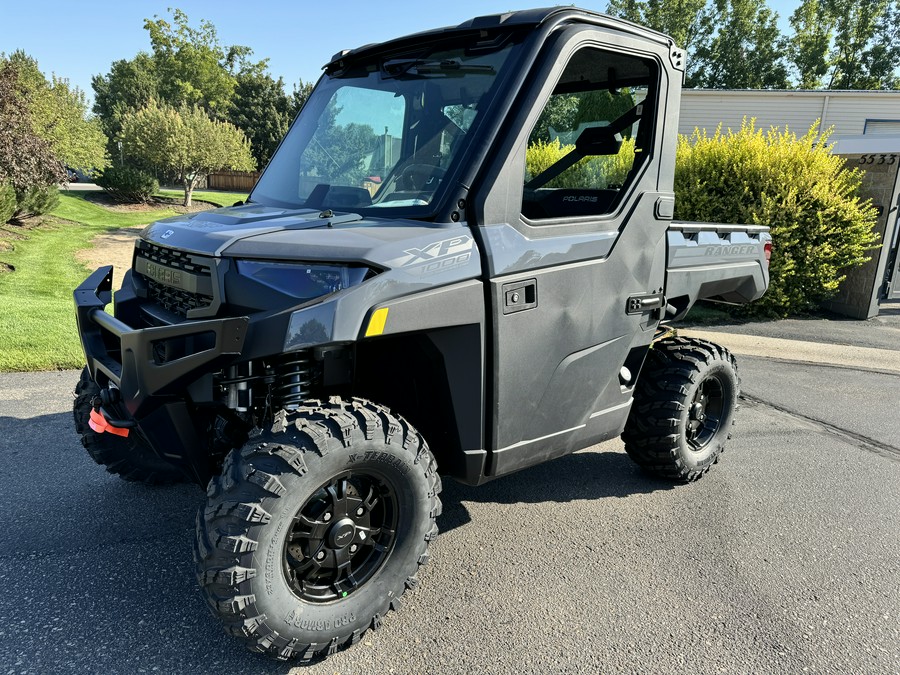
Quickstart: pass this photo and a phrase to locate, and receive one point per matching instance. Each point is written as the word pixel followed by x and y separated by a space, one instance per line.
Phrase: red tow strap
pixel 99 424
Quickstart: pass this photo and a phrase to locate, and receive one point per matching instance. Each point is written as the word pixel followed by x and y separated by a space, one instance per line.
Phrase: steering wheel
pixel 421 177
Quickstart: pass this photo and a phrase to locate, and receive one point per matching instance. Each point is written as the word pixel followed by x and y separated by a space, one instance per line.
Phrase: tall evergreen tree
pixel 302 90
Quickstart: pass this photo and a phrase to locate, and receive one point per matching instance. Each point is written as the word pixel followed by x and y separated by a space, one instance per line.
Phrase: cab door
pixel 572 217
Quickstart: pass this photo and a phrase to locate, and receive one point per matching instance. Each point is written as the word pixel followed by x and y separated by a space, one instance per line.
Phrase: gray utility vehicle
pixel 456 262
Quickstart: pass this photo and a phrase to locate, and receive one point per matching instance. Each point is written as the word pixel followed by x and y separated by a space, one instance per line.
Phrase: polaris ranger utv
pixel 460 261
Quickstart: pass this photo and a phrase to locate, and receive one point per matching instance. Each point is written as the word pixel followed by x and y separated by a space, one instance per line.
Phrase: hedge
pixel 807 196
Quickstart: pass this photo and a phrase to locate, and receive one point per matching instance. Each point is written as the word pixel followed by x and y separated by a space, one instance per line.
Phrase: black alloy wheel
pixel 341 536
pixel 683 409
pixel 705 413
pixel 316 528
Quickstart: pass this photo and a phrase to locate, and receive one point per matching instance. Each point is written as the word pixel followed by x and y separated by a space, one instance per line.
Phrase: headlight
pixel 304 281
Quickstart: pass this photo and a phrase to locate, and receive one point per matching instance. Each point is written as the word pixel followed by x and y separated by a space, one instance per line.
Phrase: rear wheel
pixel 317 527
pixel 683 408
pixel 129 457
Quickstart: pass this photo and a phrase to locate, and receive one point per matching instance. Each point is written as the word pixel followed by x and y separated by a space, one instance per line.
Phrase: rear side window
pixel 594 133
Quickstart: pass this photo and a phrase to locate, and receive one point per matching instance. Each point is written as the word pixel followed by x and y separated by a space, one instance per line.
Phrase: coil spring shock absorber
pixel 294 379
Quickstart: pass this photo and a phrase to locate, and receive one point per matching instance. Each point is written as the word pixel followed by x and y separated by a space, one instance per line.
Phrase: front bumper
pixel 138 361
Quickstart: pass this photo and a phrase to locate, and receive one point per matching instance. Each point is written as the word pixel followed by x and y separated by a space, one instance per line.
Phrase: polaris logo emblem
pixel 165 275
pixel 741 249
pixel 586 198
pixel 167 234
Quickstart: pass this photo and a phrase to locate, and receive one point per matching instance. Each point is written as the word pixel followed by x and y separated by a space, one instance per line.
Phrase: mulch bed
pixel 155 204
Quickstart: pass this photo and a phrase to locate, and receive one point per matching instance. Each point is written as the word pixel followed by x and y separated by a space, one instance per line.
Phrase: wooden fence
pixel 235 181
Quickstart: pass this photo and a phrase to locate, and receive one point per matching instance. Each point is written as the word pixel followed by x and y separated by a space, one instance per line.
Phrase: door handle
pixel 519 296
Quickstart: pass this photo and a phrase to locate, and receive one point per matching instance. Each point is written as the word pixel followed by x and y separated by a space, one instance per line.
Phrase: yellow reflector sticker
pixel 376 323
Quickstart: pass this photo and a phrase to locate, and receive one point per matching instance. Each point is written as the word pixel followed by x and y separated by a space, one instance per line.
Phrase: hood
pixel 264 232
pixel 211 232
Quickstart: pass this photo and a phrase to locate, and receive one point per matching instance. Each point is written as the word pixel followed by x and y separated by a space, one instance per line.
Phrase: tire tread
pixel 251 478
pixel 651 434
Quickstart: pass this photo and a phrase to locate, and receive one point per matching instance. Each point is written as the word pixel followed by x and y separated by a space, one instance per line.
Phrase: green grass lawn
pixel 37 321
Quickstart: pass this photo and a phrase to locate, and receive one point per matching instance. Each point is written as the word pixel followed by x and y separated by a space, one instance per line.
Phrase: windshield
pixel 384 135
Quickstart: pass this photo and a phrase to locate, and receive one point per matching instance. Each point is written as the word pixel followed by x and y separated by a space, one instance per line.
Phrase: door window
pixel 592 137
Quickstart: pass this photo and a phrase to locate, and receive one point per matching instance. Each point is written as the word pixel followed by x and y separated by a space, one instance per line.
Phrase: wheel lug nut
pixel 354 548
pixel 360 511
pixel 320 555
pixel 326 517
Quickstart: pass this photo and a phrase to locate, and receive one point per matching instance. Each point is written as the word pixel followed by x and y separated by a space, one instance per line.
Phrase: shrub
pixel 7 202
pixel 126 184
pixel 36 201
pixel 590 172
pixel 796 186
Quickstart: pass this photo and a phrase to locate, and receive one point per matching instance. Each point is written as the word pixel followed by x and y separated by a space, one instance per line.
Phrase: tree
pixel 185 141
pixel 302 90
pixel 843 45
pixel 192 67
pixel 810 45
pixel 859 60
pixel 59 115
pixel 741 48
pixel 262 111
pixel 27 161
pixel 127 87
pixel 559 115
pixel 884 54
pixel 188 66
pixel 336 154
pixel 681 19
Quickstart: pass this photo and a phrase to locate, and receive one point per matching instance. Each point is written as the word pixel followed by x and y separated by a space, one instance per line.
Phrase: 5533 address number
pixel 878 159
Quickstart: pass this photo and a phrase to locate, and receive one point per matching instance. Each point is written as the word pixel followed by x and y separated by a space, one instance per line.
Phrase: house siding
pixel 846 111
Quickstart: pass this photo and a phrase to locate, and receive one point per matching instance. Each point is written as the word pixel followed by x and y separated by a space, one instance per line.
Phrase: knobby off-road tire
pixel 683 409
pixel 317 527
pixel 130 458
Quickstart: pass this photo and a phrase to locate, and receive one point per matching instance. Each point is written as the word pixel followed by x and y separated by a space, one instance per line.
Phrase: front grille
pixel 169 295
pixel 176 300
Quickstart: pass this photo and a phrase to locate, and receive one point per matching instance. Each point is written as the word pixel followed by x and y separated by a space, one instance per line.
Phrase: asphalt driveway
pixel 785 558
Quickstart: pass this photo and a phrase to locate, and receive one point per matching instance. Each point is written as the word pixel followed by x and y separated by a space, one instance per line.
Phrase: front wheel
pixel 683 409
pixel 130 458
pixel 317 527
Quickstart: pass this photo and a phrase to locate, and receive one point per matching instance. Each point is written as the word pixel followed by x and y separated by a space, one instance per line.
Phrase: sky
pixel 77 40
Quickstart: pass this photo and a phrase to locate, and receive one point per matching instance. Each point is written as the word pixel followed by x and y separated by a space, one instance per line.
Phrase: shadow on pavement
pixel 582 476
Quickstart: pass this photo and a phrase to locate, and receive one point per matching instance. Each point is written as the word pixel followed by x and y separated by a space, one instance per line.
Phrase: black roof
pixel 522 18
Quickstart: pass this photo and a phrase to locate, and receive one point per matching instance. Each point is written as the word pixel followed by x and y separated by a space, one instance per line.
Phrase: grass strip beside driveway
pixel 37 315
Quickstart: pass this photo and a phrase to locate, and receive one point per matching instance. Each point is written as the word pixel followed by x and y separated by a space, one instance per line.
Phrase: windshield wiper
pixel 416 67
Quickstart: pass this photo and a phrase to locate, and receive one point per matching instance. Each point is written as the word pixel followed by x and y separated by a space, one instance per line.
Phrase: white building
pixel 851 113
